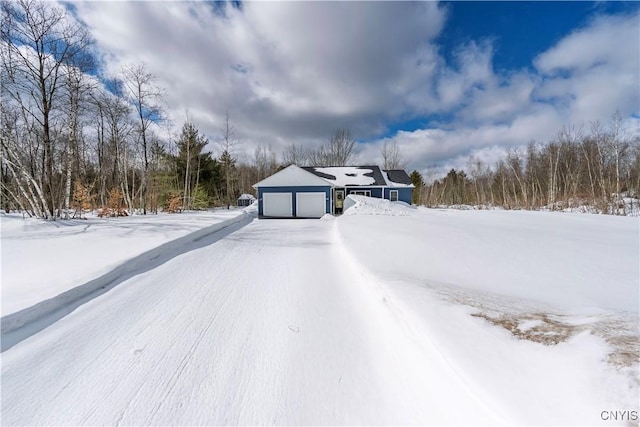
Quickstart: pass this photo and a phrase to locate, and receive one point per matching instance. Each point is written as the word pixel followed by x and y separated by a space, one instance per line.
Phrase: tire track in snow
pixel 168 388
pixel 19 326
pixel 187 357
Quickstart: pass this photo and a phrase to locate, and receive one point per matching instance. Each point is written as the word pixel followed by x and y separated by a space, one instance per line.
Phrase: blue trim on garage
pixel 294 191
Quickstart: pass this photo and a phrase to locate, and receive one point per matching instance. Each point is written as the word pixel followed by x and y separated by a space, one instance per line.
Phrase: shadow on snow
pixel 17 327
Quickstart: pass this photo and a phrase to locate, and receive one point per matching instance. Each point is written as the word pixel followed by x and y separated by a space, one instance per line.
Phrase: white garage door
pixel 310 205
pixel 277 204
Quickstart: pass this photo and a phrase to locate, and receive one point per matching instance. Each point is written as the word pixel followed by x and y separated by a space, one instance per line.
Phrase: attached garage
pixel 311 205
pixel 293 193
pixel 313 191
pixel 277 204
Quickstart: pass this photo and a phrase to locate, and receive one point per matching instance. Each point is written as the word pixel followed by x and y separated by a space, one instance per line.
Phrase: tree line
pixel 73 140
pixel 598 168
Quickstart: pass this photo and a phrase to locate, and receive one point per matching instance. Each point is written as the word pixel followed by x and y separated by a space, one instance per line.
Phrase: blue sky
pixel 445 81
pixel 520 30
pixel 517 30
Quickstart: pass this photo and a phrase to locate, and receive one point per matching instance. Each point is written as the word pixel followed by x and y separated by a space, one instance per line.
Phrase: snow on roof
pixel 337 176
pixel 246 197
pixel 397 178
pixel 347 175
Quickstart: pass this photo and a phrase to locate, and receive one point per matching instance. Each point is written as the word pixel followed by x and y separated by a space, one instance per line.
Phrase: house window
pixel 361 193
pixel 393 195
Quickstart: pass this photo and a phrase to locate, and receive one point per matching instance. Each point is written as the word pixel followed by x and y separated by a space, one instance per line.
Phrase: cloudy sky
pixel 444 80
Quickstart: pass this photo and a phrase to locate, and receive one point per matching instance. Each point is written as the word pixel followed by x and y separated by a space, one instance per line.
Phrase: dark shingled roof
pixel 313 170
pixel 398 176
pixel 375 173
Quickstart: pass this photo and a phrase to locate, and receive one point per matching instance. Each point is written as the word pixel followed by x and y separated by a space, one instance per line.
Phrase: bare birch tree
pixel 144 94
pixel 77 86
pixel 228 142
pixel 37 41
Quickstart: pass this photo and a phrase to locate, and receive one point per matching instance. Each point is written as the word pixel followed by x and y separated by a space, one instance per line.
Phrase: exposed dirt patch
pixel 545 331
pixel 548 330
pixel 549 326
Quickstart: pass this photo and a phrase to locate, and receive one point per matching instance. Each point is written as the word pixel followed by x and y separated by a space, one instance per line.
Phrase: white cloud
pixel 607 40
pixel 294 71
pixel 442 149
pixel 286 71
pixel 586 76
pixel 474 70
pixel 595 69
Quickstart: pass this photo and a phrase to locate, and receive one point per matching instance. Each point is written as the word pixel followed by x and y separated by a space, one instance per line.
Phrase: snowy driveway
pixel 273 324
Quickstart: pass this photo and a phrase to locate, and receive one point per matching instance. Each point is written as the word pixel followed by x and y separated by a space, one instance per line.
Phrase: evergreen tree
pixel 190 146
pixel 418 183
pixel 228 165
pixel 200 198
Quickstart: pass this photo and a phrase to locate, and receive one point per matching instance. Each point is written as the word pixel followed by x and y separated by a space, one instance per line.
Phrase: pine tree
pixel 190 146
pixel 228 164
pixel 200 199
pixel 418 183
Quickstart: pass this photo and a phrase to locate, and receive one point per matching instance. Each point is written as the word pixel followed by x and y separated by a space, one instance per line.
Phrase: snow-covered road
pixel 273 324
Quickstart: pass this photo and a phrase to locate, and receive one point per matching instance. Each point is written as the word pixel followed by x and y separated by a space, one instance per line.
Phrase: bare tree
pixel 227 143
pixel 295 154
pixel 190 145
pixel 318 157
pixel 113 131
pixel 339 150
pixel 265 161
pixel 29 191
pixel 391 157
pixel 618 145
pixel 37 41
pixel 515 165
pixel 145 96
pixel 574 170
pixel 77 86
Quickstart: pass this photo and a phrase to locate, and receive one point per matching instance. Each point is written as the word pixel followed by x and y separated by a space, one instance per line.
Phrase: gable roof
pixel 292 175
pixel 342 176
pixel 337 176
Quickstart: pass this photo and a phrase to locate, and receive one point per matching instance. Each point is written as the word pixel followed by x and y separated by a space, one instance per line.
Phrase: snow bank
pixel 42 259
pixel 252 209
pixel 572 260
pixel 28 321
pixel 362 205
pixel 538 309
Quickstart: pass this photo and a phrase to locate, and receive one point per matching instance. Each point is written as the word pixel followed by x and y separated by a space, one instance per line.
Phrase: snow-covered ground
pixel 41 259
pixel 542 306
pixel 386 315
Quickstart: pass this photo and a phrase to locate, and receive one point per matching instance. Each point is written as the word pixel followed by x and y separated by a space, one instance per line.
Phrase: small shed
pixel 246 200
